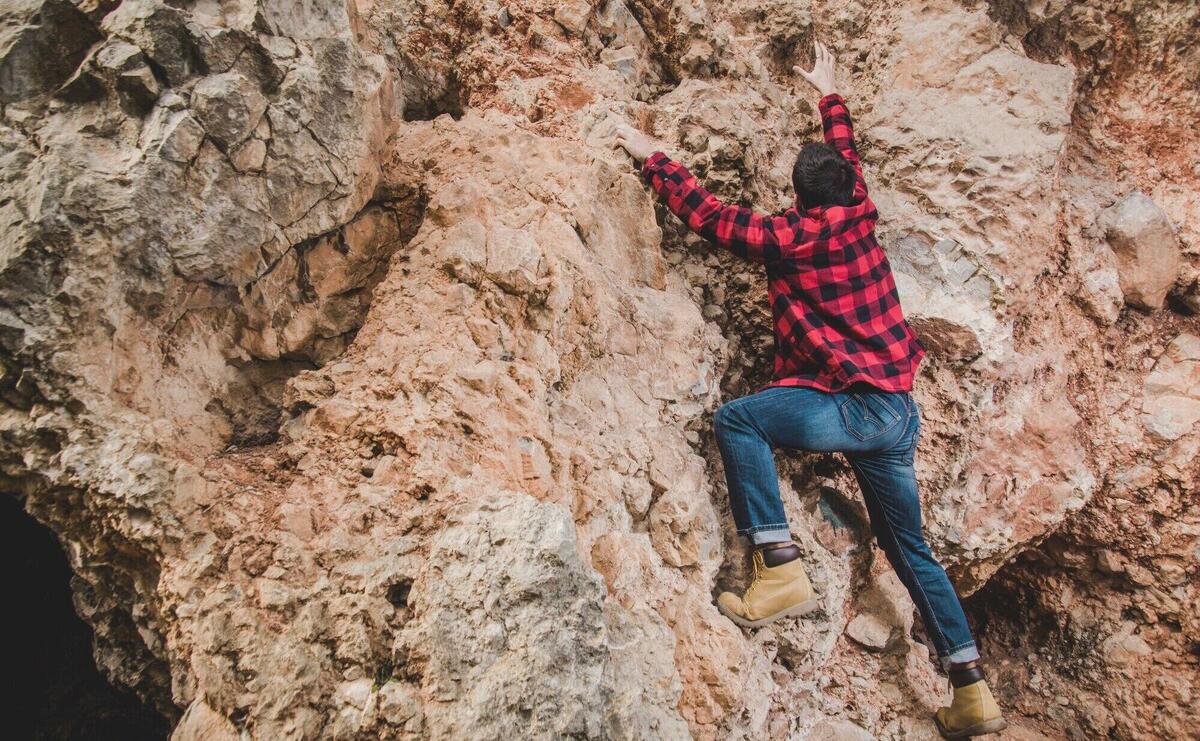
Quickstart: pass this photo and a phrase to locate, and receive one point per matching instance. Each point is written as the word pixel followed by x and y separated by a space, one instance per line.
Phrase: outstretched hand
pixel 821 75
pixel 635 142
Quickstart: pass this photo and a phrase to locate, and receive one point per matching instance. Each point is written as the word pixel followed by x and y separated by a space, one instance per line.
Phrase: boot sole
pixel 995 725
pixel 794 611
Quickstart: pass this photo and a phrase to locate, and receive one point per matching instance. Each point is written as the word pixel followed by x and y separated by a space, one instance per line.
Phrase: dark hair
pixel 822 176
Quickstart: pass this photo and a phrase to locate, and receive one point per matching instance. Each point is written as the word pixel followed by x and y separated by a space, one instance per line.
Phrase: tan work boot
pixel 973 712
pixel 776 592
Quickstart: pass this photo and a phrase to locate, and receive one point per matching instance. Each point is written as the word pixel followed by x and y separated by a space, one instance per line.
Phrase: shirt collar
pixel 814 211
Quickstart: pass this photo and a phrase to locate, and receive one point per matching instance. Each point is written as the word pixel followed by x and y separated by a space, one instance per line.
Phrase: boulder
pixel 1147 250
pixel 229 107
pixel 869 631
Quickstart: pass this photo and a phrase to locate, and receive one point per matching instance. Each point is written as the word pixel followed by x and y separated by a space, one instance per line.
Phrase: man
pixel 845 359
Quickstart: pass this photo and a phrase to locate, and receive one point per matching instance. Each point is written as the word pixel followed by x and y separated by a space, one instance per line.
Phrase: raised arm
pixel 835 117
pixel 839 134
pixel 739 229
pixel 742 231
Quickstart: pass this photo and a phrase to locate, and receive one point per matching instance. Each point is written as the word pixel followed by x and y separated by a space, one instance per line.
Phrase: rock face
pixel 370 394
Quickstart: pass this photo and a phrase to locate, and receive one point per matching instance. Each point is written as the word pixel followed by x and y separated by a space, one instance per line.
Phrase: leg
pixel 748 429
pixel 889 487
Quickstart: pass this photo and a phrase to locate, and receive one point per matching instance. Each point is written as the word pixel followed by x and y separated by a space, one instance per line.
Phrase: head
pixel 822 176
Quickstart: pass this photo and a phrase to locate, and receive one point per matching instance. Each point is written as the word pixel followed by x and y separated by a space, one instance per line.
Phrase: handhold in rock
pixel 1146 247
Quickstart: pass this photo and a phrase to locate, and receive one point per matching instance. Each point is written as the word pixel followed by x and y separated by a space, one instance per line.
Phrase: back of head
pixel 822 176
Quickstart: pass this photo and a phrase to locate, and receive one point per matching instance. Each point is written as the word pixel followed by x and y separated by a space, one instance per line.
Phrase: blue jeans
pixel 877 432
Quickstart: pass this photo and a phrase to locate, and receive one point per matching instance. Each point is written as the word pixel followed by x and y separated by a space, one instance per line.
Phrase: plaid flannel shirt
pixel 837 314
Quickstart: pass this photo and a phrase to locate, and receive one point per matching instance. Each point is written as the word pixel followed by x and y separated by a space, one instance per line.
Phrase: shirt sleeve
pixel 747 234
pixel 839 133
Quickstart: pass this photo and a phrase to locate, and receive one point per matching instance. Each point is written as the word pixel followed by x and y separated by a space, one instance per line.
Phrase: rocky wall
pixel 370 394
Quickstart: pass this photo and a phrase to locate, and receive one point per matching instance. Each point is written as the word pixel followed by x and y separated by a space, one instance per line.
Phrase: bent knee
pixel 721 418
pixel 726 418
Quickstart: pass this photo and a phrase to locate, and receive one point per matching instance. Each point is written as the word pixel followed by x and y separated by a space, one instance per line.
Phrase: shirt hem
pixel 837 384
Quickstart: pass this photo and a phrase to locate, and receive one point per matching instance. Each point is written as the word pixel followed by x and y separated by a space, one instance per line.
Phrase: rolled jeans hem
pixel 762 536
pixel 960 656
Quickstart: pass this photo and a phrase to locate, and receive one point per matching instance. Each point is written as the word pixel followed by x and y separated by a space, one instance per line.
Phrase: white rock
pixel 573 15
pixel 1171 396
pixel 869 631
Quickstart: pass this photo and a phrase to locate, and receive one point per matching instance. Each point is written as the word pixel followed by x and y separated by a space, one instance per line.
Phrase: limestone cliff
pixel 370 394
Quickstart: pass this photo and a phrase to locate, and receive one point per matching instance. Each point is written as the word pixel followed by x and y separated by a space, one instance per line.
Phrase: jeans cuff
pixel 774 535
pixel 961 655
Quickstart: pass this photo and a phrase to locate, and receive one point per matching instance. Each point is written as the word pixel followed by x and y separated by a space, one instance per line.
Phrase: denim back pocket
pixel 866 415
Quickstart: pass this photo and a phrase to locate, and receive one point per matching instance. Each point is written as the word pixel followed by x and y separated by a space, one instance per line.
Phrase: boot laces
pixel 759 565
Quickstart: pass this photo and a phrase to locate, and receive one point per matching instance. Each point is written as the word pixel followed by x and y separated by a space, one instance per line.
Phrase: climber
pixel 845 358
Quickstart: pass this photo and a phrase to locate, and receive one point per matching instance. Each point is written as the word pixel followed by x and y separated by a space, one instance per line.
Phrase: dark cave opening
pixel 54 689
pixel 450 100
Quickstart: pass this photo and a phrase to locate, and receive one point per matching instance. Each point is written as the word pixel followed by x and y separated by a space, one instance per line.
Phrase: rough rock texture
pixel 370 394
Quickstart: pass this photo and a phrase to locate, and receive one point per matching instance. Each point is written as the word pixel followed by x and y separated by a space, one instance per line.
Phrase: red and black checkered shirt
pixel 837 313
